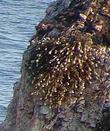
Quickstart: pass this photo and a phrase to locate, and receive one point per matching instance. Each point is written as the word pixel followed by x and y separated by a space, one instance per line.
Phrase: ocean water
pixel 17 21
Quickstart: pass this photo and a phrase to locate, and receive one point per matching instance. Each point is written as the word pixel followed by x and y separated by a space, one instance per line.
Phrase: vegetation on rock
pixel 65 81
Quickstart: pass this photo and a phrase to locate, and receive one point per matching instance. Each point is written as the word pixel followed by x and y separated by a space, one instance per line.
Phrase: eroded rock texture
pixel 65 81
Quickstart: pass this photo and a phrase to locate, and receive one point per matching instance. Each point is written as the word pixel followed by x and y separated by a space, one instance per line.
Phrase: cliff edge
pixel 65 73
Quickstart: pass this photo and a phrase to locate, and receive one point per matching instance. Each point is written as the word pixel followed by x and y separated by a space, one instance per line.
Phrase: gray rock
pixel 54 33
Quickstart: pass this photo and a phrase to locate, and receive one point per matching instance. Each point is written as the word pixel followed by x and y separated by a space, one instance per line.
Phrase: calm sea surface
pixel 17 21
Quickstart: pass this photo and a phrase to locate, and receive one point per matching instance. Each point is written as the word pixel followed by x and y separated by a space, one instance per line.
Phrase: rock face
pixel 65 73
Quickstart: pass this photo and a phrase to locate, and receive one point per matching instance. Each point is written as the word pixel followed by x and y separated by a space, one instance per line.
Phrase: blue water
pixel 17 21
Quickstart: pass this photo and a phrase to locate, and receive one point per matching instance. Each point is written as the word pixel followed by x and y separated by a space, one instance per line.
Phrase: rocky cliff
pixel 65 73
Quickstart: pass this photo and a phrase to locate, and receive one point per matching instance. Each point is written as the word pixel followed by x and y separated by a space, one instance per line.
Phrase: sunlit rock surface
pixel 65 73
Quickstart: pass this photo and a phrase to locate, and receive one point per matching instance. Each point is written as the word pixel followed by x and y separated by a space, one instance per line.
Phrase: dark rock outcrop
pixel 65 74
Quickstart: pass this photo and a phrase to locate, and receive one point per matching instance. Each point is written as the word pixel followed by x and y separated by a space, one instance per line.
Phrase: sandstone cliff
pixel 65 73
